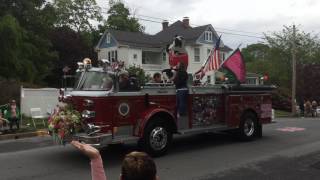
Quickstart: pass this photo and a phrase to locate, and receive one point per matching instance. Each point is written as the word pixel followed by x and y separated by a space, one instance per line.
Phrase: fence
pixel 44 98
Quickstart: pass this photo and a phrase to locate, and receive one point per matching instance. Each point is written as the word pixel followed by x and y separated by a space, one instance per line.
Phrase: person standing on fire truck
pixel 180 79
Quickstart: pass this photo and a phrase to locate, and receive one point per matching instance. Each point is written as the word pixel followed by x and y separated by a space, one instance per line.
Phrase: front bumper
pixel 102 140
pixel 96 140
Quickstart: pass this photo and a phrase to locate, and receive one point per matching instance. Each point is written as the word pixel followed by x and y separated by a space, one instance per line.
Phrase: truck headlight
pixel 88 103
pixel 88 114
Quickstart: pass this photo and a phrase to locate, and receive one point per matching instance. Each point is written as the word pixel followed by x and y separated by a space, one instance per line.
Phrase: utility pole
pixel 293 95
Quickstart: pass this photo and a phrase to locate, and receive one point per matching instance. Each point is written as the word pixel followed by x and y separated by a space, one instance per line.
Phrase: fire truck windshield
pixel 94 81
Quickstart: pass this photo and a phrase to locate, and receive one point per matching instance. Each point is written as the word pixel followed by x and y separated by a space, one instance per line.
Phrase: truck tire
pixel 249 127
pixel 157 138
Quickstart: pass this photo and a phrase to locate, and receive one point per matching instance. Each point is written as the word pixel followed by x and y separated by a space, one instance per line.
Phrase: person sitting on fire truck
pixel 123 76
pixel 124 81
pixel 135 166
pixel 156 78
pixel 106 83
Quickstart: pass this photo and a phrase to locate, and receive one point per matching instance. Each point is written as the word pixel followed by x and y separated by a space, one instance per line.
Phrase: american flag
pixel 213 61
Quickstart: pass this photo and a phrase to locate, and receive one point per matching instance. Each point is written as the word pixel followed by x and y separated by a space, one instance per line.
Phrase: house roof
pixel 162 38
pixel 178 28
pixel 136 39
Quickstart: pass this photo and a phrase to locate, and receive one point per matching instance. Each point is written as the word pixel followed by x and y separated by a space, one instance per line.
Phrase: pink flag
pixel 235 64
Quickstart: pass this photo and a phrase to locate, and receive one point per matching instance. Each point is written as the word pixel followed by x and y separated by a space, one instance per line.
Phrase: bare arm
pixel 97 170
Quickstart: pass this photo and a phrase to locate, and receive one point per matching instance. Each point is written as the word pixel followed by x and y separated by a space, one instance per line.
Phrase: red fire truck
pixel 147 114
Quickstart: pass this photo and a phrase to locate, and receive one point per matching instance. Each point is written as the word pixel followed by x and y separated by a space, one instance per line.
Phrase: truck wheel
pixel 157 138
pixel 248 127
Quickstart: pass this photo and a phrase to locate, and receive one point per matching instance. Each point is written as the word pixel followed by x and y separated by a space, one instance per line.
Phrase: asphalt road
pixel 289 149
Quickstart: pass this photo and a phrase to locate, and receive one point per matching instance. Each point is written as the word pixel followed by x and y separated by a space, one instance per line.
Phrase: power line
pixel 260 37
pixel 169 20
pixel 222 32
pixel 163 19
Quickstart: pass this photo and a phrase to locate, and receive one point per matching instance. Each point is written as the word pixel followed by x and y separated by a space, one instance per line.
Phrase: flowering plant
pixel 64 123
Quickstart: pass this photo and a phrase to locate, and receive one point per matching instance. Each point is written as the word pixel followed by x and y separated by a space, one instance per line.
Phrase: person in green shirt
pixel 12 113
pixel 3 121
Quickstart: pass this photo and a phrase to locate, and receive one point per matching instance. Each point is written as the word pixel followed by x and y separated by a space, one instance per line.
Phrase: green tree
pixel 254 52
pixel 72 47
pixel 10 46
pixel 275 56
pixel 138 72
pixel 29 21
pixel 119 18
pixel 77 14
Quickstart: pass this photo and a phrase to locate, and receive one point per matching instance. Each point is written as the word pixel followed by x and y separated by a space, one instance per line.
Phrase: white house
pixel 149 51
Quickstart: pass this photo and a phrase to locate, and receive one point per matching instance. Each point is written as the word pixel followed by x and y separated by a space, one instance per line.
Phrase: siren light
pixel 87 63
pixel 265 77
pixel 80 65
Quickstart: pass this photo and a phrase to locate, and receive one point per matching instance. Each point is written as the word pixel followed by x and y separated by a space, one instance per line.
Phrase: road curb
pixel 24 135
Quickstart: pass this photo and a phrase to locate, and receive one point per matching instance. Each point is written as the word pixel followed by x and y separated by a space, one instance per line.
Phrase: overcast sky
pixel 254 16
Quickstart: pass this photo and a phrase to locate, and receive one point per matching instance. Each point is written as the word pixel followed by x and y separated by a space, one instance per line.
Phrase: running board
pixel 199 130
pixel 124 139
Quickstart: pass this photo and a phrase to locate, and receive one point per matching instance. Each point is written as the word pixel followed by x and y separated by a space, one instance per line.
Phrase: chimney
pixel 186 22
pixel 165 24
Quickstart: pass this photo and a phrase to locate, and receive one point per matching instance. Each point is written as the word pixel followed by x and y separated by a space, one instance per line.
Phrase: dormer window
pixel 208 36
pixel 108 38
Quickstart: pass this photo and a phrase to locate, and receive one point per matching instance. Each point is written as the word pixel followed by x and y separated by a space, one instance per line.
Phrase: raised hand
pixel 87 149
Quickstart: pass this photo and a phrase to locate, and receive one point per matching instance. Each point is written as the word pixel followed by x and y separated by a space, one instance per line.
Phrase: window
pixel 164 56
pixel 208 36
pixel 96 81
pixel 135 56
pixel 209 79
pixel 108 38
pixel 113 56
pixel 144 58
pixel 208 51
pixel 196 55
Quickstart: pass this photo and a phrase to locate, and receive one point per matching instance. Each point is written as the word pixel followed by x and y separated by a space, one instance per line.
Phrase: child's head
pixel 138 166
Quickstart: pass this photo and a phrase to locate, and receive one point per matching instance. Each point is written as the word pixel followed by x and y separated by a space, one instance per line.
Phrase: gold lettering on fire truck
pixel 124 109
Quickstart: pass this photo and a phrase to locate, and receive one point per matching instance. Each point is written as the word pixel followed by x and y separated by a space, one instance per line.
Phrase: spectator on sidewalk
pixel 301 106
pixel 135 166
pixel 308 108
pixel 3 121
pixel 314 106
pixel 13 114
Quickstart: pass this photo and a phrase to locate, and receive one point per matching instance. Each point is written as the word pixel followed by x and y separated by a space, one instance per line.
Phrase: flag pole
pixel 204 64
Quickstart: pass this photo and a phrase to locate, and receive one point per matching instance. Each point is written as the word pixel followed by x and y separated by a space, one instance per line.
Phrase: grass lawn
pixel 279 113
pixel 27 123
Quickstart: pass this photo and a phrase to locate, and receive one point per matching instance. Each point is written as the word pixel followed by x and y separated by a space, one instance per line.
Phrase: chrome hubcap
pixel 249 127
pixel 158 138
